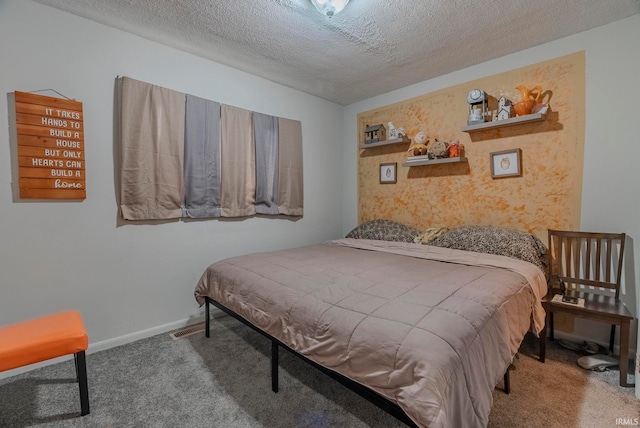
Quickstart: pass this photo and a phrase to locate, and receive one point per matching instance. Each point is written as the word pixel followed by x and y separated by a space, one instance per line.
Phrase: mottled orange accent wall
pixel 546 196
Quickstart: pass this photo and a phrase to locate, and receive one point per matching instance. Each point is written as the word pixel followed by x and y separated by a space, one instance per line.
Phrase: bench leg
pixel 81 375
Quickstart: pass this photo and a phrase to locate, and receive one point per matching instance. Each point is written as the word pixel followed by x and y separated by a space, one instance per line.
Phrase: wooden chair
pixel 588 266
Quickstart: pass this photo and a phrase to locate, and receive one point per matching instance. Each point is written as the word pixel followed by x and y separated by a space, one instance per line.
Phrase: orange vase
pixel 530 97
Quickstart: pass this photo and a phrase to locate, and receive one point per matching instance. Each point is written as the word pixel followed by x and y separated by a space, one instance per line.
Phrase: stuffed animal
pixel 419 147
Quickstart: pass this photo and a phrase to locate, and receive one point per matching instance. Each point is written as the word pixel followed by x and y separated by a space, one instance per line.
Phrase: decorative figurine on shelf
pixel 419 146
pixel 374 133
pixel 504 108
pixel 392 132
pixel 437 149
pixel 454 150
pixel 478 106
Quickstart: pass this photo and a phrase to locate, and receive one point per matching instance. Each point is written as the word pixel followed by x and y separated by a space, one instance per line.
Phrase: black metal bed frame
pixel 368 394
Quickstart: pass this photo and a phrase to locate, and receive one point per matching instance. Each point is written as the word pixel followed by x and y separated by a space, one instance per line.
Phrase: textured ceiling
pixel 372 47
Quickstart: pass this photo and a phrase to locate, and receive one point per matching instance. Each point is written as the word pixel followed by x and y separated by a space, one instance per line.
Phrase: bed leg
pixel 274 366
pixel 207 321
pixel 507 382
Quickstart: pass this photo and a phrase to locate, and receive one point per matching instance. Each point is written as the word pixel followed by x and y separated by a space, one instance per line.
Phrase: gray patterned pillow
pixel 496 240
pixel 384 230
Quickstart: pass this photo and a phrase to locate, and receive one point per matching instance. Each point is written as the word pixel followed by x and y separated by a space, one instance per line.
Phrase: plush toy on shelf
pixel 419 146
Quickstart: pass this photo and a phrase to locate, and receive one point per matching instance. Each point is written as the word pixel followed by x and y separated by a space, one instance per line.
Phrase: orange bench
pixel 45 338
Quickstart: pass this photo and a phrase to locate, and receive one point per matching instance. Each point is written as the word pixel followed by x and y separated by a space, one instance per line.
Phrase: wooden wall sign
pixel 50 147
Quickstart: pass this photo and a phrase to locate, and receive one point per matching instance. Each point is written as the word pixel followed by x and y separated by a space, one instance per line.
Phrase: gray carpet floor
pixel 225 381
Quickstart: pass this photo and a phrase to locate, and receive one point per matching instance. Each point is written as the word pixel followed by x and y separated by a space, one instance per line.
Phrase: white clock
pixel 475 96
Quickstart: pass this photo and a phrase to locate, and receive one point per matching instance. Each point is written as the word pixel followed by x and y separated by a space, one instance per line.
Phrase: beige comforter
pixel 432 329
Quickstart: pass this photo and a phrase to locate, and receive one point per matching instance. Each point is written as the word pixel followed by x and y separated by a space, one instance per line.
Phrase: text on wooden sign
pixel 50 147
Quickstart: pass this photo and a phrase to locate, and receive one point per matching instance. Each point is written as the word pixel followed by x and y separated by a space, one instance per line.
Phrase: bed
pixel 430 330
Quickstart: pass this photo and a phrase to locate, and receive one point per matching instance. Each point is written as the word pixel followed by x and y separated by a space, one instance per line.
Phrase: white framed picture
pixel 388 173
pixel 506 163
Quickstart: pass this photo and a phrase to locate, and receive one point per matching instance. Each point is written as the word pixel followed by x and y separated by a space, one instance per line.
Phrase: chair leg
pixel 612 338
pixel 543 343
pixel 551 326
pixel 81 373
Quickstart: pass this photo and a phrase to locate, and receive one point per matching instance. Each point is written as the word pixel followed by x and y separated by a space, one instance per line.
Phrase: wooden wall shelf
pixel 424 160
pixel 535 117
pixel 385 143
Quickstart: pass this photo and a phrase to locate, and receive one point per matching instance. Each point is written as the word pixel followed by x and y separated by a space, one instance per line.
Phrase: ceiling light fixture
pixel 329 7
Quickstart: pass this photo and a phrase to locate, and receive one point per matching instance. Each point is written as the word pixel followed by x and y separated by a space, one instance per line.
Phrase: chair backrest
pixel 586 261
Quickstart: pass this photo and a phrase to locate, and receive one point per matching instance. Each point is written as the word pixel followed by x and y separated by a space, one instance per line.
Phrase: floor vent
pixel 187 331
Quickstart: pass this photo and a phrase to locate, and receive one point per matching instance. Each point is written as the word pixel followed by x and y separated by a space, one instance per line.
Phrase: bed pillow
pixel 496 240
pixel 384 230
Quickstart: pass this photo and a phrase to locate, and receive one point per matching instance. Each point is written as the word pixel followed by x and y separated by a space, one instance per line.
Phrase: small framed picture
pixel 388 173
pixel 506 163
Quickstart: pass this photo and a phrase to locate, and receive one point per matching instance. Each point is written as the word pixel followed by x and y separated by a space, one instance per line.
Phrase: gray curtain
pixel 202 158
